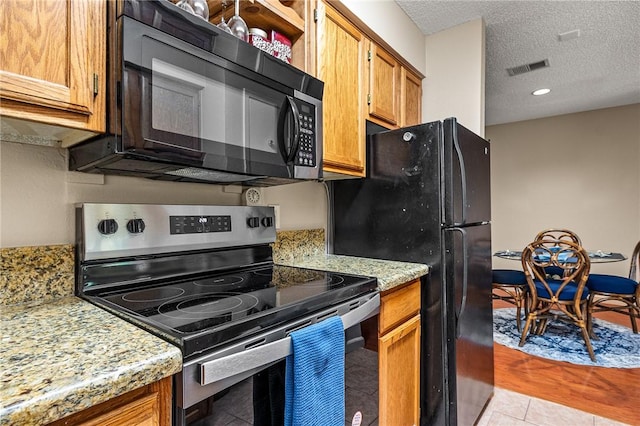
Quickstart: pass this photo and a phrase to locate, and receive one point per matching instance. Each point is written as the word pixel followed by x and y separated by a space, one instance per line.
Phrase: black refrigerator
pixel 426 199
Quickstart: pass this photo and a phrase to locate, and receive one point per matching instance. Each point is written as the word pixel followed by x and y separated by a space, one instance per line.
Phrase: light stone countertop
pixel 63 356
pixel 389 273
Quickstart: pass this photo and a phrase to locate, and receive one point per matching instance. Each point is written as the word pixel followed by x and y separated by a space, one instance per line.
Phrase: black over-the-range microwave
pixel 189 102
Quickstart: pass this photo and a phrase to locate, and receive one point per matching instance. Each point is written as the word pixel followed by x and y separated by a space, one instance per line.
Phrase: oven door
pixel 253 370
pixel 184 105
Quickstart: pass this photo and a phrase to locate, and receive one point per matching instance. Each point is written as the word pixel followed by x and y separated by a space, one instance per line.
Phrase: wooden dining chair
pixel 616 294
pixel 557 234
pixel 567 296
pixel 510 285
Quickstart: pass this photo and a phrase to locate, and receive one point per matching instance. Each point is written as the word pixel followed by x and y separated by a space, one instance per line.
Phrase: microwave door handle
pixel 288 155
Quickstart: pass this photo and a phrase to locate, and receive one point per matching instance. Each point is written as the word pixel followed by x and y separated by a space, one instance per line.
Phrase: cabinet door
pixel 141 412
pixel 411 99
pixel 340 64
pixel 149 405
pixel 399 365
pixel 384 86
pixel 49 53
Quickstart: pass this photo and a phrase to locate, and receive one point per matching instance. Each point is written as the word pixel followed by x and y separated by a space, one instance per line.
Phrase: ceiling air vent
pixel 521 69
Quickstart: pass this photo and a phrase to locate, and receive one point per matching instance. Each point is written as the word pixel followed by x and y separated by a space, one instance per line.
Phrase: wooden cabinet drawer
pixel 399 305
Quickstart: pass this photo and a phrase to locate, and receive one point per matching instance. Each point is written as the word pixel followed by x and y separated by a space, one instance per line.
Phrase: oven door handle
pixel 238 363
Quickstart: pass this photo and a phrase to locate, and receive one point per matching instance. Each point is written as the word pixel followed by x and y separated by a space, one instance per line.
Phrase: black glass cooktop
pixel 203 313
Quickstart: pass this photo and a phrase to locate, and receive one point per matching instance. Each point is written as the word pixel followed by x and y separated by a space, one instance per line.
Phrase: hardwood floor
pixel 609 392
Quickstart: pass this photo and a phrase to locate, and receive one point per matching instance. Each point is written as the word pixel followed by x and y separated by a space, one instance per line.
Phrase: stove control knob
pixel 135 226
pixel 253 222
pixel 107 226
pixel 267 221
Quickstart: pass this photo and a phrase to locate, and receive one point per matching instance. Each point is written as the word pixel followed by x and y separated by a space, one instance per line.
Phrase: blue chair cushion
pixel 568 293
pixel 509 276
pixel 554 270
pixel 611 284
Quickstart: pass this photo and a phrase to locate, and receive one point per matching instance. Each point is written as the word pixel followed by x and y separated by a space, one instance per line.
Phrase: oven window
pixel 259 400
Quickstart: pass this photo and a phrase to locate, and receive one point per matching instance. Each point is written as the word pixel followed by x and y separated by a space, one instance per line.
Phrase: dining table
pixel 597 256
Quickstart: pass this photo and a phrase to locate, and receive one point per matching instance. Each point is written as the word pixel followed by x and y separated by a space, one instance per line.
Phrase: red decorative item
pixel 281 46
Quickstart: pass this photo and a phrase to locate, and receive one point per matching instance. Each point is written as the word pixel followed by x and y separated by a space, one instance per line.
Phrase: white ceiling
pixel 599 69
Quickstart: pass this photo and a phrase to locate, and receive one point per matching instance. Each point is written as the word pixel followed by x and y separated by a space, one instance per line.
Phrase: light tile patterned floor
pixel 509 408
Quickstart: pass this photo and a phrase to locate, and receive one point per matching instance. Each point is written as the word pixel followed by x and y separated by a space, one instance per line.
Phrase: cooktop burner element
pixel 222 280
pixel 153 295
pixel 199 290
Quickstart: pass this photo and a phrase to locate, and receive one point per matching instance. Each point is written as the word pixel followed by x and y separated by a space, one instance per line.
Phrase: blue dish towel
pixel 314 378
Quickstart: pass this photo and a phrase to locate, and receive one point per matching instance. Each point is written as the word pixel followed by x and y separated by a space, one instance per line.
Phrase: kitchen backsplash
pixel 44 273
pixel 36 274
pixel 292 245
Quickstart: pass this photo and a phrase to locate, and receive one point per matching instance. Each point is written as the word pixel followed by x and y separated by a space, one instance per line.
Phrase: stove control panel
pixel 118 230
pixel 199 224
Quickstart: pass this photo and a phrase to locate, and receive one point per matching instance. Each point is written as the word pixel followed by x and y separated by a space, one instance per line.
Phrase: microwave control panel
pixel 307 143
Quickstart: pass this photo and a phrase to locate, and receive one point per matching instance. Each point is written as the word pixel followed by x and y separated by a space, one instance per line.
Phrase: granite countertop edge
pixel 389 273
pixel 63 356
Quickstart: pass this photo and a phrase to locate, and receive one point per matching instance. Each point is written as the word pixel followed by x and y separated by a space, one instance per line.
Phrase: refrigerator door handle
pixel 463 176
pixel 465 267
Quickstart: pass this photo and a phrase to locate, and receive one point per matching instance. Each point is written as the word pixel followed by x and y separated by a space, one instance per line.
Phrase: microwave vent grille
pixel 210 175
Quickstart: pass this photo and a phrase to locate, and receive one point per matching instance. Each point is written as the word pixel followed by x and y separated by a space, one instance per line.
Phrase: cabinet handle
pixel 95 84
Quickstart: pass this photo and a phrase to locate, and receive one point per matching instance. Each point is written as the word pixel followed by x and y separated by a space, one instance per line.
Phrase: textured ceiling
pixel 599 69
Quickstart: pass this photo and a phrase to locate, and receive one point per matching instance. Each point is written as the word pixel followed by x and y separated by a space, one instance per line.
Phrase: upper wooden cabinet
pixel 364 79
pixel 52 60
pixel 340 49
pixel 394 96
pixel 383 91
pixel 410 98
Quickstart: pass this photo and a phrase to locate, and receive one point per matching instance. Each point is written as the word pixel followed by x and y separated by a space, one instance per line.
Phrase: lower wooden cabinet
pixel 399 356
pixel 148 406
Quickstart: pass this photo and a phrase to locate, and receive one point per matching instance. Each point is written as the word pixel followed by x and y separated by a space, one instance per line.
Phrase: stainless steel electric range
pixel 203 278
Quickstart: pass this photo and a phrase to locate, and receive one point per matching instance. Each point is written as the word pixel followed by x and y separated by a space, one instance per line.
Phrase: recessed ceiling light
pixel 540 92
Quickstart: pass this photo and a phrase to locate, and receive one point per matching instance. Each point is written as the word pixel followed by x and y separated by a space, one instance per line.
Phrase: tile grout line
pixel 526 412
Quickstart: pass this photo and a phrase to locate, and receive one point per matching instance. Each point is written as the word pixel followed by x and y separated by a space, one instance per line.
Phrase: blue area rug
pixel 616 347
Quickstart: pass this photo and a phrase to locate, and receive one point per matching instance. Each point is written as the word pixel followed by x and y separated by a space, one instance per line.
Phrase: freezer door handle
pixel 465 284
pixel 463 176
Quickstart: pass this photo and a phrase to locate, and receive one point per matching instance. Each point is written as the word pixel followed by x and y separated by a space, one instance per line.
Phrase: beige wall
pixel 454 86
pixel 38 195
pixel 391 23
pixel 577 171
